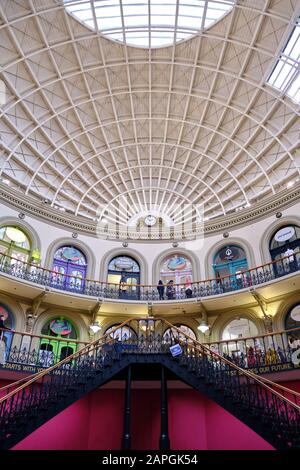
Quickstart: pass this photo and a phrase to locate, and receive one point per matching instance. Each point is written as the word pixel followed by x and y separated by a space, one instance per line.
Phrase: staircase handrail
pixel 242 371
pixel 197 344
pixel 90 347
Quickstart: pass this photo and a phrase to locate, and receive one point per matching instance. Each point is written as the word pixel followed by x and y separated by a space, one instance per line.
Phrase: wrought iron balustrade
pixel 271 352
pixel 44 277
pixel 27 352
pixel 270 409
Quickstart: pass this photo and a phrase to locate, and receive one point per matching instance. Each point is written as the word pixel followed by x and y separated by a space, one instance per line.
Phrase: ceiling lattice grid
pixel 91 124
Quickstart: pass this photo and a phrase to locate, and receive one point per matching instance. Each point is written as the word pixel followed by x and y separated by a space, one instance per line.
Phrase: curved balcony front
pixel 274 352
pixel 248 279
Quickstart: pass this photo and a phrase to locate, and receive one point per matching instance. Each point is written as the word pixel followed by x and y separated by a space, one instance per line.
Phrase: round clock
pixel 150 220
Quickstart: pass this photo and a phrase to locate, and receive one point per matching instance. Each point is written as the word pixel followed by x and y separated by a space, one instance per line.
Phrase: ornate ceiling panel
pixel 95 127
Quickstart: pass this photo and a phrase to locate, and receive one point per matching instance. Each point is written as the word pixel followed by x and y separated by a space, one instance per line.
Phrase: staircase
pixel 270 410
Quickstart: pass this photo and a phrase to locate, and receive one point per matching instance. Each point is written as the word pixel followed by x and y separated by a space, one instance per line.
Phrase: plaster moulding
pixel 30 206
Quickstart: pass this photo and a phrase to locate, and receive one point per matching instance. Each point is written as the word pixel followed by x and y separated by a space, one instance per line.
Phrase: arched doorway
pixel 285 243
pixel 176 273
pixel 171 333
pixel 124 277
pixel 230 260
pixel 69 266
pixel 59 344
pixel 292 321
pixel 177 268
pixel 244 352
pixel 124 333
pixel 6 335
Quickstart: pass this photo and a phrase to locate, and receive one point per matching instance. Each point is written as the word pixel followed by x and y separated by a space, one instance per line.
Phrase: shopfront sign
pixel 176 350
pixel 284 234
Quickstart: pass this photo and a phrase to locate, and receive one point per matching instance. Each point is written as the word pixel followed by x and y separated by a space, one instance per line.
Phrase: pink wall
pixel 292 384
pixel 95 423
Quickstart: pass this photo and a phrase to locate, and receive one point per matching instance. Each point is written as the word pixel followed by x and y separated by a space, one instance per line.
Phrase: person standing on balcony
pixel 170 290
pixel 290 259
pixel 161 290
pixel 2 340
pixel 239 279
pixel 219 283
pixel 251 362
pixel 123 287
pixel 2 325
pixel 188 290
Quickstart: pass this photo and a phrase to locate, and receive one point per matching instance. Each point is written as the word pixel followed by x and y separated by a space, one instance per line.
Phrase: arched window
pixel 245 353
pixel 69 266
pixel 60 345
pixel 7 316
pixel 124 274
pixel 292 320
pixel 15 243
pixel 239 328
pixel 172 334
pixel 229 260
pixel 6 336
pixel 59 328
pixel 177 268
pixel 285 242
pixel 123 333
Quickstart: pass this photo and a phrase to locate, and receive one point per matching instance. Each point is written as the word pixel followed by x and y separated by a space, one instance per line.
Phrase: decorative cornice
pixel 30 206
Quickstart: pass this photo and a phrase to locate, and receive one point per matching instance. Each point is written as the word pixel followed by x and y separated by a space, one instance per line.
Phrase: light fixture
pixel 203 327
pixel 290 184
pixel 95 327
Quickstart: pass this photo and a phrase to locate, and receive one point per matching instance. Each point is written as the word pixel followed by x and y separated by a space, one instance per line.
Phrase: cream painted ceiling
pixel 92 125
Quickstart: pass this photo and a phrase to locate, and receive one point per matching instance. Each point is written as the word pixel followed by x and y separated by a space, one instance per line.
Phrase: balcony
pixel 45 278
pixel 263 354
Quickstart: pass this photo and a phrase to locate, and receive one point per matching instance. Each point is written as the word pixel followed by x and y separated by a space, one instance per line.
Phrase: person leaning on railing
pixel 170 290
pixel 2 340
pixel 161 290
pixel 188 291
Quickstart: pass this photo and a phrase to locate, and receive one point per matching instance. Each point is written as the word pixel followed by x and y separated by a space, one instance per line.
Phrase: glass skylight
pixel 149 23
pixel 286 73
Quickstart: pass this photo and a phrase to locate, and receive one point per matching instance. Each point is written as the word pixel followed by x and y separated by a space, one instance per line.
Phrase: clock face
pixel 150 220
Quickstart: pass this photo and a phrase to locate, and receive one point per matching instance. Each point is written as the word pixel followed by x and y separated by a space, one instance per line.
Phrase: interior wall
pixel 95 423
pixel 251 234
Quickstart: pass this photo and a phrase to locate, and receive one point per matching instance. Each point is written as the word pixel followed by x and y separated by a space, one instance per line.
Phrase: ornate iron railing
pixel 274 407
pixel 25 352
pixel 271 352
pixel 250 278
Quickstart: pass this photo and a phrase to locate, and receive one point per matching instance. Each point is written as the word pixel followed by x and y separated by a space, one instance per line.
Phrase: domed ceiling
pixel 96 127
